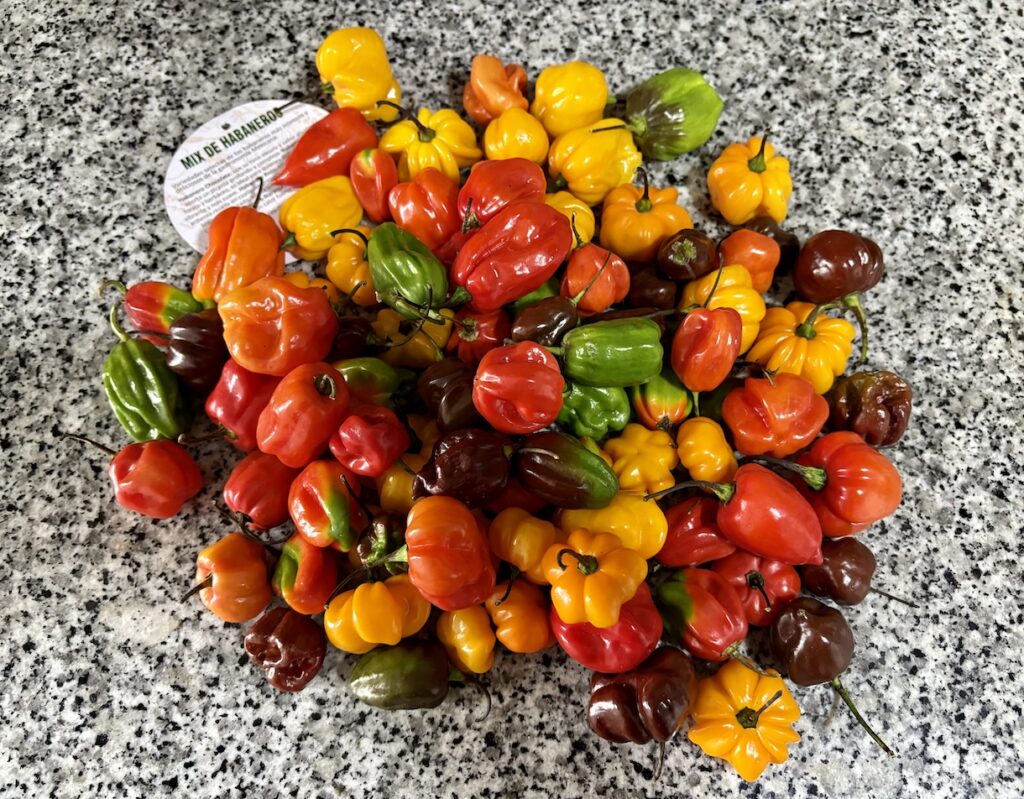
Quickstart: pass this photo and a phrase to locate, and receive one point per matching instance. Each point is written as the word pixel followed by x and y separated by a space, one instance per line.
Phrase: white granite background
pixel 902 120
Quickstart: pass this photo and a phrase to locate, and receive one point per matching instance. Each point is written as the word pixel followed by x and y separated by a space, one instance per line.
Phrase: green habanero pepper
pixel 560 470
pixel 406 275
pixel 411 675
pixel 370 381
pixel 141 388
pixel 672 113
pixel 594 411
pixel 616 352
pixel 547 289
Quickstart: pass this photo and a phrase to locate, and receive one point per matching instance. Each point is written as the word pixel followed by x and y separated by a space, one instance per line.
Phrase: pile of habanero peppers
pixel 516 398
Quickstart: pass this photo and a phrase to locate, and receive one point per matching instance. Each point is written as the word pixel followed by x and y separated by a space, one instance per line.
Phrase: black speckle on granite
pixel 901 120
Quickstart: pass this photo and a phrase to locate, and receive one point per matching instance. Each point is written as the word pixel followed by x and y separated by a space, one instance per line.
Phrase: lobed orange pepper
pixel 304 281
pixel 635 222
pixel 468 638
pixel 232 579
pixel 521 616
pixel 598 277
pixel 757 253
pixel 375 613
pixel 493 88
pixel 521 539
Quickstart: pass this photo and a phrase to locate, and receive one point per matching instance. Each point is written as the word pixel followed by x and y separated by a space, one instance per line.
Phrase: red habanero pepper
pixel 596 285
pixel 306 407
pixel 327 148
pixel 693 535
pixel 154 478
pixel 232 579
pixel 774 416
pixel 494 185
pixel 705 347
pixel 621 647
pixel 757 253
pixel 478 333
pixel 154 305
pixel 764 586
pixel 322 506
pixel 370 440
pixel 703 612
pixel 305 575
pixel 236 402
pixel 520 248
pixel 373 174
pixel 518 388
pixel 449 556
pixel 426 207
pixel 258 487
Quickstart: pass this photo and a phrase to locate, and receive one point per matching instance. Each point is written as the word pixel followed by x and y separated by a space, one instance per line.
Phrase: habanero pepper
pixel 592 411
pixel 153 305
pixel 406 275
pixel 469 465
pixel 236 402
pixel 703 612
pixel 516 134
pixel 323 507
pixel 562 471
pixel 518 388
pixel 688 254
pixel 288 647
pixel 662 402
pixel 638 525
pixel 520 614
pixel 494 185
pixel 394 487
pixel 476 333
pixel 874 405
pixel 426 207
pixel 649 291
pixel 347 267
pixel 515 495
pixel 693 537
pixel 411 344
pixel 327 148
pixel 314 212
pixel 580 215
pixel 521 540
pixel 369 380
pixel 569 96
pixel 257 488
pixel 789 243
pixel 764 586
pixel 305 575
pixel 468 638
pixel 595 278
pixel 493 88
pixel 196 352
pixel 590 161
pixel 776 416
pixel 442 140
pixel 643 459
pixel 731 288
pixel 844 574
pixel 635 222
pixel 618 352
pixel 375 613
pixel 370 440
pixel 411 675
pixel 756 252
pixel 703 450
pixel 232 579
pixel 747 180
pixel 354 62
pixel 705 347
pixel 373 174
pixel 672 113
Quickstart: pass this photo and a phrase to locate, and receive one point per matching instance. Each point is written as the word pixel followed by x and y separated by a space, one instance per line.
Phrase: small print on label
pixel 218 165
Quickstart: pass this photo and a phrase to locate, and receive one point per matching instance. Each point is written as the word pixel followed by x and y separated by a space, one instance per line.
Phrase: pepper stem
pixel 579 297
pixel 661 761
pixel 556 184
pixel 195 589
pixel 644 205
pixel 814 476
pixel 610 127
pixel 187 441
pixel 351 230
pixel 289 241
pixel 852 301
pixel 894 598
pixel 806 328
pixel 758 163
pixel 324 384
pixel 723 491
pixel 587 564
pixel 755 580
pixel 575 233
pixel 110 283
pixel 90 442
pixel 714 286
pixel 355 498
pixel 259 192
pixel 470 219
pixel 748 717
pixel 513 574
pixel 115 324
pixel 840 689
pixel 426 134
pixel 733 651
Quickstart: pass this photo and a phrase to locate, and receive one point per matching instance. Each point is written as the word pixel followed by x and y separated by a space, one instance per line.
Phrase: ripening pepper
pixel 406 275
pixel 494 185
pixel 744 718
pixel 764 586
pixel 411 675
pixel 521 540
pixel 618 352
pixel 442 140
pixel 735 290
pixel 154 305
pixel 562 471
pixel 288 647
pixel 662 402
pixel 327 148
pixel 639 525
pixel 546 322
pixel 592 576
pixel 579 214
pixel 236 402
pixel 154 478
pixel 592 411
pixel 354 62
pixel 595 278
pixel 412 348
pixel 493 88
pixel 322 506
pixel 672 113
pixel 476 333
pixel 705 347
pixel 394 487
pixel 748 180
pixel 693 537
pixel 520 614
pixel 874 405
pixel 703 613
pixel 370 381
pixel 635 222
pixel 703 450
pixel 305 575
pixel 196 352
pixel 591 161
pixel 143 392
pixel 643 459
pixel 273 326
pixel 374 174
pixel 776 417
pixel 569 96
pixel 347 267
pixel 756 252
pixel 802 340
pixel 470 465
pixel 232 579
pixel 518 388
pixel 312 214
pixel 375 613
pixel 516 134
pixel 257 488
pixel 370 440
pixel 427 207
pixel 468 638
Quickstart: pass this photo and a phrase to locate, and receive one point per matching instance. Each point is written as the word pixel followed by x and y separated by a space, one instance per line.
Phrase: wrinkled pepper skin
pixel 593 411
pixel 703 450
pixel 154 478
pixel 569 96
pixel 520 539
pixel 774 417
pixel 693 537
pixel 662 402
pixel 245 245
pixel 404 271
pixel 196 352
pixel 748 180
pixel 642 459
pixel 735 290
pixel 764 586
pixel 327 148
pixel 236 402
pixel 874 405
pixel 476 334
pixel 580 215
pixel 687 255
pixel 349 271
pixel 635 222
pixel 468 638
pixel 369 380
pixel 835 263
pixel 756 252
pixel 154 305
pixel 442 140
pixel 844 574
pixel 520 616
pixel 672 113
pixel 598 277
pixel 288 647
pixel 469 465
pixel 592 160
pixel 494 185
pixel 619 352
pixel 426 207
pixel 355 62
pixel 322 507
pixel 616 649
pixel 375 613
pixel 560 470
pixel 546 321
pixel 639 525
pixel 373 174
pixel 370 440
pixel 703 612
pixel 518 388
pixel 317 210
pixel 405 345
pixel 705 347
pixel 516 134
pixel 305 575
pixel 493 88
pixel 411 675
pixel 240 590
pixel 812 641
pixel 258 489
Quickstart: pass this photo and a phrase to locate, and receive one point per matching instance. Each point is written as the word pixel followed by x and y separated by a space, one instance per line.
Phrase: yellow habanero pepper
pixel 635 222
pixel 803 341
pixel 311 214
pixel 468 638
pixel 569 96
pixel 749 180
pixel 347 267
pixel 591 161
pixel 394 487
pixel 441 140
pixel 521 615
pixel 591 576
pixel 643 459
pixel 735 290
pixel 521 539
pixel 303 281
pixel 744 718
pixel 516 134
pixel 579 214
pixel 704 452
pixel 638 525
pixel 354 62
pixel 375 613
pixel 421 349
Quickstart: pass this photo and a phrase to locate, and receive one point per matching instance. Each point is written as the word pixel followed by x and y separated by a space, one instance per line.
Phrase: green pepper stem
pixel 576 300
pixel 90 442
pixel 714 286
pixel 852 302
pixel 806 328
pixel 755 580
pixel 814 476
pixel 426 134
pixel 556 184
pixel 195 589
pixel 587 564
pixel 644 205
pixel 758 163
pixel 575 233
pixel 470 219
pixel 840 689
pixel 661 761
pixel 289 241
pixel 894 598
pixel 115 324
pixel 733 651
pixel 190 441
pixel 458 297
pixel 110 283
pixel 748 717
pixel 610 127
pixel 723 491
pixel 400 555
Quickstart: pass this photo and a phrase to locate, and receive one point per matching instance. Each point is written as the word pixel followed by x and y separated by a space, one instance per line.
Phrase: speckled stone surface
pixel 901 120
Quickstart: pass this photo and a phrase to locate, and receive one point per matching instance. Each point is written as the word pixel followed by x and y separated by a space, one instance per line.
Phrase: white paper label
pixel 217 166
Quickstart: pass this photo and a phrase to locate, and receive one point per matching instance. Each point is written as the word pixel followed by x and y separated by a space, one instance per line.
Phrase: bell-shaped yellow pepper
pixel 749 180
pixel 468 638
pixel 311 214
pixel 520 614
pixel 394 487
pixel 521 539
pixel 348 269
pixel 441 140
pixel 516 134
pixel 643 459
pixel 639 525
pixel 303 281
pixel 591 161
pixel 634 222
pixel 704 452
pixel 735 290
pixel 744 718
pixel 375 613
pixel 569 96
pixel 419 350
pixel 591 576
pixel 803 341
pixel 579 214
pixel 355 63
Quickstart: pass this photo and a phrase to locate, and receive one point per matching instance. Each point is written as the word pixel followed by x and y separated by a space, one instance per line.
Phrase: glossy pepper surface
pixel 442 140
pixel 493 88
pixel 258 489
pixel 521 540
pixel 703 612
pixel 687 255
pixel 591 161
pixel 408 676
pixel 705 347
pixel 406 275
pixel 322 507
pixel 427 207
pixel 693 537
pixel 469 465
pixel 560 470
pixel 272 326
pixel 374 174
pixel 245 245
pixel 734 290
pixel 234 569
pixel 580 215
pixel 639 525
pixel 749 180
pixel 756 252
pixel 875 405
pixel 196 352
pixel 494 185
pixel 355 62
pixel 305 575
pixel 635 222
pixel 375 613
pixel 569 96
pixel 518 388
pixel 370 440
pixel 304 281
pixel 327 148
pixel 648 290
pixel 288 647
pixel 546 321
pixel 348 269
pixel 812 641
pixel 744 718
pixel 642 459
pixel 672 113
pixel 704 451
pixel 476 333
pixel 520 616
pixel 154 305
pixel 662 402
pixel 369 380
pixel 764 586
pixel 835 263
pixel 236 402
pixel 592 411
pixel 774 417
pixel 468 638
pixel 154 478
pixel 844 574
pixel 314 211
pixel 619 352
pixel 595 278
pixel 789 243
pixel 394 487
pixel 516 134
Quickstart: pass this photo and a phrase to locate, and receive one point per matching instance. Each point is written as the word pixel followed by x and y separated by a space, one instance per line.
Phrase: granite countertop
pixel 901 120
